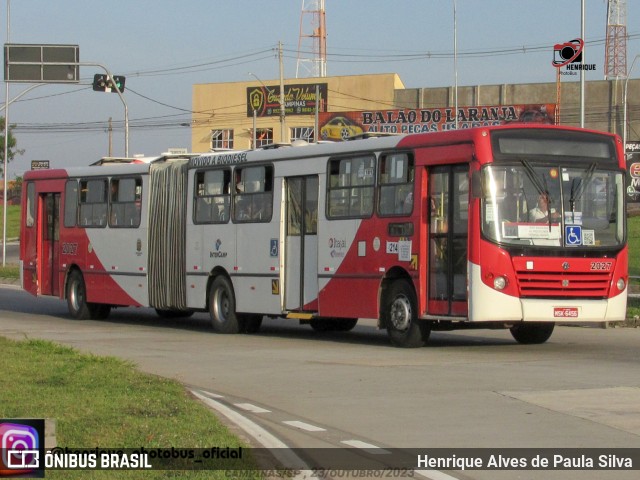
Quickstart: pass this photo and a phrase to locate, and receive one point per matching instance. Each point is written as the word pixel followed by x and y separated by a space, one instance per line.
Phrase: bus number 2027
pixel 606 266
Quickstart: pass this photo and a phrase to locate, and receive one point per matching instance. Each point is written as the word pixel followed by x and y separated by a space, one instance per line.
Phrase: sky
pixel 164 47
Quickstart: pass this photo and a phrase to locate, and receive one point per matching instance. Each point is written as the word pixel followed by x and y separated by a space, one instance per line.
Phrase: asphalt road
pixel 474 389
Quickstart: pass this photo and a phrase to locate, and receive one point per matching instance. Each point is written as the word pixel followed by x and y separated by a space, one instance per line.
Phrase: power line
pixel 422 55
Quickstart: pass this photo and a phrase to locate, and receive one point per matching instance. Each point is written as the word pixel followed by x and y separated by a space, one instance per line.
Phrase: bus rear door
pixel 301 243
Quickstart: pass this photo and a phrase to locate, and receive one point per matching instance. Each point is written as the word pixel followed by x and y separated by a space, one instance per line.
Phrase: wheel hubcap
pixel 76 295
pixel 401 313
pixel 221 304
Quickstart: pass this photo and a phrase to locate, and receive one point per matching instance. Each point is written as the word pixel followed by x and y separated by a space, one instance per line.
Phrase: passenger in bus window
pixel 259 212
pixel 114 190
pixel 407 202
pixel 243 208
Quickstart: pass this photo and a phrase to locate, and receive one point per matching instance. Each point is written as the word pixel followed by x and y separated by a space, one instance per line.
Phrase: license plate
pixel 565 312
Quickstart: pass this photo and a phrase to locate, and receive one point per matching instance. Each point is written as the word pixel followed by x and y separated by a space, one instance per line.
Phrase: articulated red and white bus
pixel 516 226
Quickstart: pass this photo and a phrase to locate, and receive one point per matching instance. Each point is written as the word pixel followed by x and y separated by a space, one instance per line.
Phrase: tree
pixel 12 150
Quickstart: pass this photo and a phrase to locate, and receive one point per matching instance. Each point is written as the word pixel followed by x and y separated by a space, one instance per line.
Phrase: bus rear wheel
pixel 222 306
pixel 77 303
pixel 399 315
pixel 532 333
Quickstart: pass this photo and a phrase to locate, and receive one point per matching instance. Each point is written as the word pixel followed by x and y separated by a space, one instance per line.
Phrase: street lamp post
pixel 255 112
pixel 624 106
pixel 6 150
pixel 455 61
pixel 582 75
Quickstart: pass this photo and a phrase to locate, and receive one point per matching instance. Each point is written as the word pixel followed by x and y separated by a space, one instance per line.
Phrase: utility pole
pixel 283 129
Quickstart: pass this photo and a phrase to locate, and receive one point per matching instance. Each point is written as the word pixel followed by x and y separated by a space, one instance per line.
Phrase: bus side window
pixel 351 186
pixel 396 185
pixel 93 203
pixel 125 202
pixel 212 196
pixel 71 203
pixel 253 197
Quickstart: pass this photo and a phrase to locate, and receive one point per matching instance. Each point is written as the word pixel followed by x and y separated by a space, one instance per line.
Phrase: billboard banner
pixel 338 126
pixel 298 99
pixel 632 151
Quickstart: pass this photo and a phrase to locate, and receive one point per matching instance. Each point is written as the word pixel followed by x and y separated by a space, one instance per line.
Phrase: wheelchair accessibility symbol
pixel 573 235
pixel 273 247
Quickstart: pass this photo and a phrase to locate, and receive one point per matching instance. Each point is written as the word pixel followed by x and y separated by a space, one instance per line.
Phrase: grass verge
pixel 104 402
pixel 9 271
pixel 13 220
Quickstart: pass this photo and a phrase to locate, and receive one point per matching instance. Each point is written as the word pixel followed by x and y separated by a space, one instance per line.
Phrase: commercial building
pixel 241 115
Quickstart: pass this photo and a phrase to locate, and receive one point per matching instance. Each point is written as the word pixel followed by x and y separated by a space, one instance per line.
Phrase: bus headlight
pixel 499 283
pixel 620 284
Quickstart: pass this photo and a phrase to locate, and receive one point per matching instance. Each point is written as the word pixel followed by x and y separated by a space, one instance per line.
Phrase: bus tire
pixel 77 303
pixel 222 306
pixel 399 315
pixel 532 333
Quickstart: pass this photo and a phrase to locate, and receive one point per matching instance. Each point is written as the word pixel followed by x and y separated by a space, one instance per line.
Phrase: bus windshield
pixel 554 204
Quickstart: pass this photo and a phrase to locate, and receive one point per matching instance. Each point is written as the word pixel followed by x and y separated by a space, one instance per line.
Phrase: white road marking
pixel 366 446
pixel 304 426
pixel 281 451
pixel 212 395
pixel 251 408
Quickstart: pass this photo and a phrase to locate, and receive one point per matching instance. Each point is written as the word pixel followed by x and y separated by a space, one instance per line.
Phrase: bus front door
pixel 48 243
pixel 301 243
pixel 448 234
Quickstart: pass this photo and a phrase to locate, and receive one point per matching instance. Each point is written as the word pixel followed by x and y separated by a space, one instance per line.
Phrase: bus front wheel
pixel 222 306
pixel 77 303
pixel 532 333
pixel 399 315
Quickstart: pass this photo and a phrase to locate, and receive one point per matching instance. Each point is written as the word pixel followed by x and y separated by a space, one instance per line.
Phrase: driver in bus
pixel 541 212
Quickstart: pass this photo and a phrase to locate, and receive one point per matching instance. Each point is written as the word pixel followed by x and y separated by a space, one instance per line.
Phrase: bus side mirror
pixel 476 185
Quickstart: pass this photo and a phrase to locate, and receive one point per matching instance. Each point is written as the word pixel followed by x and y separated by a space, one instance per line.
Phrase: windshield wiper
pixel 533 176
pixel 577 191
pixel 541 187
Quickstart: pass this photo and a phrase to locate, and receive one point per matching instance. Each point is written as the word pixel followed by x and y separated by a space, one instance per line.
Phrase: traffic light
pixel 101 83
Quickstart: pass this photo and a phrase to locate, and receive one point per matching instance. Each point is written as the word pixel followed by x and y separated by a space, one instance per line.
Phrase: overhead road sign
pixel 29 63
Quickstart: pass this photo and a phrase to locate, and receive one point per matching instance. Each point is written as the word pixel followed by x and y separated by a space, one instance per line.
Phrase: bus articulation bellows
pixel 517 226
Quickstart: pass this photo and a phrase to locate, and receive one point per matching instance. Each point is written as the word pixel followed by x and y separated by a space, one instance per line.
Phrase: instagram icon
pixel 20 444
